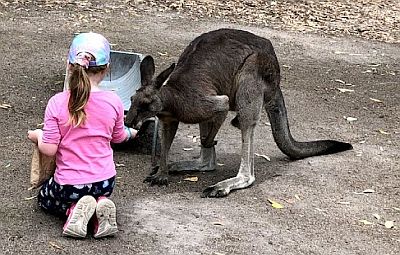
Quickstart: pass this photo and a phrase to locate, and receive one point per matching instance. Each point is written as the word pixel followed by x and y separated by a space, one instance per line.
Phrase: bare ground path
pixel 323 197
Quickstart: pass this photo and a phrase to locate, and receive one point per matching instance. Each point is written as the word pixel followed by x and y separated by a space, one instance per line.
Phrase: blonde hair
pixel 79 86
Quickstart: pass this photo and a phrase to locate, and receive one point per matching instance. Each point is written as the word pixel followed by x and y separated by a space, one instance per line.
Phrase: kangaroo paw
pixel 215 191
pixel 160 180
pixel 183 166
pixel 206 162
pixel 154 170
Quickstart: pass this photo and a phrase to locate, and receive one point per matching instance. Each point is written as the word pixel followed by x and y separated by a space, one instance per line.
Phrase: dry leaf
pixel 344 203
pixel 383 132
pixel 30 198
pixel 53 244
pixel 396 208
pixel 192 179
pixel 369 191
pixel 162 53
pixel 365 222
pixel 340 81
pixel 217 223
pixel 376 100
pixel 187 149
pixel 275 205
pixel 119 165
pixel 389 224
pixel 263 156
pixel 5 106
pixel 345 90
pixel 351 119
pixel 374 65
pixel 297 197
pixel 220 164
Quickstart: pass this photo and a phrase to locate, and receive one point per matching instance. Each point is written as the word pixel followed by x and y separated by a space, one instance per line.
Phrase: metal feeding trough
pixel 124 78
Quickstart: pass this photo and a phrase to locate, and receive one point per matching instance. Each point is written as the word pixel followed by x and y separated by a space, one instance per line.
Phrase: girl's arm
pixel 48 149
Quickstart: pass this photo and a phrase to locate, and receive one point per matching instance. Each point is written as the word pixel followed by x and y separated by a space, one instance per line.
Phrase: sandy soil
pixel 323 197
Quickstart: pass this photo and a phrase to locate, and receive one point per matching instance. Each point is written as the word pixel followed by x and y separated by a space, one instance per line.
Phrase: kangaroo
pixel 219 71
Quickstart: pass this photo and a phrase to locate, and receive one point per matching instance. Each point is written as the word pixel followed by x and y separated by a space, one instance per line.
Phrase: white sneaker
pixel 106 218
pixel 79 215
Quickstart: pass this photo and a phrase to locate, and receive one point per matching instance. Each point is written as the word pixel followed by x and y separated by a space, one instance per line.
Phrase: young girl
pixel 78 128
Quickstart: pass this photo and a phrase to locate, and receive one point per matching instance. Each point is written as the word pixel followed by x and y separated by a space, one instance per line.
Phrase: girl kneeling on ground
pixel 78 128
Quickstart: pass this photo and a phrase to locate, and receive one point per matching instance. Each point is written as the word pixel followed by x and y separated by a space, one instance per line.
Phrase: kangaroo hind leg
pixel 208 131
pixel 249 100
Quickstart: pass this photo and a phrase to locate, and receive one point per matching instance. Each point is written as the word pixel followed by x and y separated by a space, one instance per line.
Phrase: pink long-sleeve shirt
pixel 84 153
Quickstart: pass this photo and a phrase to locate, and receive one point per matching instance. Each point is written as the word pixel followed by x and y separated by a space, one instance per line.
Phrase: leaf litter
pixel 5 106
pixel 365 222
pixel 389 224
pixel 191 179
pixel 376 100
pixel 275 204
pixel 53 244
pixel 345 90
pixel 263 156
pixel 350 119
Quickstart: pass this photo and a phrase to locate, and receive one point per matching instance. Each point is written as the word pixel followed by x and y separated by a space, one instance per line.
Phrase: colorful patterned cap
pixel 93 43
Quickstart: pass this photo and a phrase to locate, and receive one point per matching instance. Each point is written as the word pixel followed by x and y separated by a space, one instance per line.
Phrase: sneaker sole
pixel 83 211
pixel 106 214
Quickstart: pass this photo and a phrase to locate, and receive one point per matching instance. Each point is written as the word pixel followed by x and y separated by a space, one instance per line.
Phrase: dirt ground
pixel 326 210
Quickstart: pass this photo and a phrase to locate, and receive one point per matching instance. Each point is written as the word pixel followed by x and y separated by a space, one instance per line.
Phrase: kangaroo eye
pixel 143 108
pixel 139 110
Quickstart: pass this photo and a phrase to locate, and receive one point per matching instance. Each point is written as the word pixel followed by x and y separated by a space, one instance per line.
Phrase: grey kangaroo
pixel 220 71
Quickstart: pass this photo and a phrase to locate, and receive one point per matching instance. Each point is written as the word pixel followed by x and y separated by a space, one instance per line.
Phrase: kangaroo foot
pixel 215 191
pixel 183 166
pixel 223 188
pixel 206 162
pixel 157 179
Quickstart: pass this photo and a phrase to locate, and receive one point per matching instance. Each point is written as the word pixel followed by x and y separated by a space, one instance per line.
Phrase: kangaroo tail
pixel 296 150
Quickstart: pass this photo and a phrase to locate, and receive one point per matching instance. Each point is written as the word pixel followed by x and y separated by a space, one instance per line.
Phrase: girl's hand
pixel 133 132
pixel 130 133
pixel 33 135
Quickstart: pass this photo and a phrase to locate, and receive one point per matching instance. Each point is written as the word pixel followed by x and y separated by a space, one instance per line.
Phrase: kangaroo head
pixel 146 102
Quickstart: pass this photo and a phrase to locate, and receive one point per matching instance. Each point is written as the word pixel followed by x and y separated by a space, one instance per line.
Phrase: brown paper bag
pixel 42 167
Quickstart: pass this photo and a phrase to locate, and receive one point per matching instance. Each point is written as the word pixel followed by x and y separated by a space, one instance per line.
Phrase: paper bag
pixel 42 167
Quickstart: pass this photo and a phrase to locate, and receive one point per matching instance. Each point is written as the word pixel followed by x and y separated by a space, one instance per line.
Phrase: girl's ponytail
pixel 79 86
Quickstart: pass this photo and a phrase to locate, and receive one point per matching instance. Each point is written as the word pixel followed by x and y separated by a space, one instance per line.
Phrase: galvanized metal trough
pixel 124 75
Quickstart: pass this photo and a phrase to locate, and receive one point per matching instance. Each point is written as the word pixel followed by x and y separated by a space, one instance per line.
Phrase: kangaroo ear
pixel 163 76
pixel 147 70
